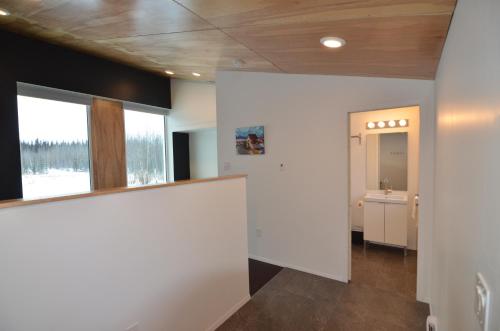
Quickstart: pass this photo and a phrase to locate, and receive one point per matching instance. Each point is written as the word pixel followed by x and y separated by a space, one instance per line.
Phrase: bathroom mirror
pixel 387 161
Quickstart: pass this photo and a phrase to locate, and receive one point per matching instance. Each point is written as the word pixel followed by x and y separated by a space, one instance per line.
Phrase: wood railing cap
pixel 27 202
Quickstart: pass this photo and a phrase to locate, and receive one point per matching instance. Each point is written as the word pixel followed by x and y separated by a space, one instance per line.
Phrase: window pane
pixel 54 147
pixel 145 134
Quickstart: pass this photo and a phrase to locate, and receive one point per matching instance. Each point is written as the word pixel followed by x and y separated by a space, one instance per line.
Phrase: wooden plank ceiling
pixel 385 38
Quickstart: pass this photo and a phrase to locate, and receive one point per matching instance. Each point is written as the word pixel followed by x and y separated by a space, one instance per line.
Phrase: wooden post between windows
pixel 107 126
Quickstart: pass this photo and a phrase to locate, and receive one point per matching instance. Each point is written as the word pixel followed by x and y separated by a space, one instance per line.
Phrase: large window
pixel 54 147
pixel 54 138
pixel 145 141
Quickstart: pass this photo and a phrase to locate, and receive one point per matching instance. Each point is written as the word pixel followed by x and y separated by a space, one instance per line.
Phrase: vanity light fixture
pixel 332 42
pixel 168 72
pixel 387 124
pixel 196 74
pixel 4 12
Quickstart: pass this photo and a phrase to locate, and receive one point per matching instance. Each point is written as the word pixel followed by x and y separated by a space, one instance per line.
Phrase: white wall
pixel 193 108
pixel 172 258
pixel 358 160
pixel 467 225
pixel 303 211
pixel 203 153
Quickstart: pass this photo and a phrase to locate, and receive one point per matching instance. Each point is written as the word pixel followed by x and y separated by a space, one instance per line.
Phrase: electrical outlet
pixel 482 304
pixel 133 327
pixel 258 232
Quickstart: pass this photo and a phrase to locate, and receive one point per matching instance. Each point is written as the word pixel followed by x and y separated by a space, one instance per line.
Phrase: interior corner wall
pixel 302 211
pixel 193 108
pixel 467 215
pixel 203 153
pixel 358 161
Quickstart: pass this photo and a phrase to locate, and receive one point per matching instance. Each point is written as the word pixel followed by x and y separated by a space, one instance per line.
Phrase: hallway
pixel 294 300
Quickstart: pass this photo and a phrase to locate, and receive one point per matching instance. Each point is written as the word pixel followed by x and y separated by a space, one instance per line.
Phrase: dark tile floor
pixel 379 297
pixel 260 274
pixel 385 268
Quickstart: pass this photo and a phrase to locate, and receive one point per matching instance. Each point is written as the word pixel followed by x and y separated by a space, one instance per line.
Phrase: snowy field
pixel 55 182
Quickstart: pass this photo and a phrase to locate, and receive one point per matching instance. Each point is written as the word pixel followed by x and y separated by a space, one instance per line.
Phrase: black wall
pixel 180 146
pixel 30 61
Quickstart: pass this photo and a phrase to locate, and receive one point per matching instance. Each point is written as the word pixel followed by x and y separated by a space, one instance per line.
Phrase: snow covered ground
pixel 55 182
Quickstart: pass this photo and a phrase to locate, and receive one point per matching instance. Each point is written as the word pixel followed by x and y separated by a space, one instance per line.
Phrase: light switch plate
pixel 482 303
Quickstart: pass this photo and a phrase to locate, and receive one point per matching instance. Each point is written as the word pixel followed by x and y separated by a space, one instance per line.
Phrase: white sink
pixel 394 197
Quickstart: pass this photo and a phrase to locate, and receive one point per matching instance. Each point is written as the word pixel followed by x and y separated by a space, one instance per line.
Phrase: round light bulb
pixel 381 124
pixel 392 123
pixel 332 42
pixel 371 125
pixel 402 123
pixel 196 74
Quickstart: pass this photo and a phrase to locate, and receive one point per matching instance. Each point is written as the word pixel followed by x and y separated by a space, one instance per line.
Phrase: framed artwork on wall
pixel 250 140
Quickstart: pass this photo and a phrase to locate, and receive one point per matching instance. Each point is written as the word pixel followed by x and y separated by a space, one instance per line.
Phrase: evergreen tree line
pixel 145 157
pixel 39 156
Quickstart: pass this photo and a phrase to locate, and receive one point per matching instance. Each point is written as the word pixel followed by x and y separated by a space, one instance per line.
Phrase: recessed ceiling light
pixel 168 72
pixel 381 124
pixel 392 123
pixel 238 63
pixel 4 12
pixel 196 74
pixel 332 42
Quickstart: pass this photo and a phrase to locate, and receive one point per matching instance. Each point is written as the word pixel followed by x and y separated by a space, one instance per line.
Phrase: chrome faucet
pixel 387 188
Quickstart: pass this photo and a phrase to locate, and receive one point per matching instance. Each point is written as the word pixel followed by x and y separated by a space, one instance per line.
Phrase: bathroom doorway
pixel 383 202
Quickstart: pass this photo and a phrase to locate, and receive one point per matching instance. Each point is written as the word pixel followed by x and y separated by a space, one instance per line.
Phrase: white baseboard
pixel 229 313
pixel 291 266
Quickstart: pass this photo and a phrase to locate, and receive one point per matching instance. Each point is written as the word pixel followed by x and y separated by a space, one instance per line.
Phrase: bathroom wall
pixel 358 155
pixel 372 168
pixel 467 226
pixel 298 213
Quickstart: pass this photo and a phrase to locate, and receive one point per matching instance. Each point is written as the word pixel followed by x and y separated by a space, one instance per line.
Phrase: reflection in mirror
pixel 387 161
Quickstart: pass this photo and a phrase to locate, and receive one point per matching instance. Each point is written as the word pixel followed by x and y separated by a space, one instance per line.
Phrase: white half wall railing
pixel 170 257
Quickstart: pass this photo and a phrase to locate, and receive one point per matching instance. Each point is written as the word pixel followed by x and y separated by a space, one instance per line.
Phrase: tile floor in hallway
pixel 381 296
